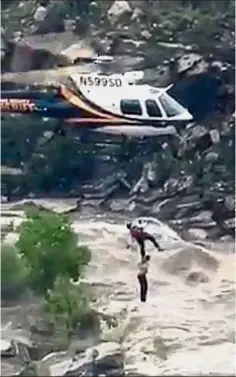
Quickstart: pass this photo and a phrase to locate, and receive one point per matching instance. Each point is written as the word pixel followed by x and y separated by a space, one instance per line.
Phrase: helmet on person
pixel 128 224
pixel 140 222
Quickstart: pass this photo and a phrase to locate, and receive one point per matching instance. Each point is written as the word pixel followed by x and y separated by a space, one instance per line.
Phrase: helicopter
pixel 113 104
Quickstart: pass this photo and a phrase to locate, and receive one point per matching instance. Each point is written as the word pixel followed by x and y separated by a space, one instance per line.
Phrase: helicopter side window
pixel 131 107
pixel 170 105
pixel 153 109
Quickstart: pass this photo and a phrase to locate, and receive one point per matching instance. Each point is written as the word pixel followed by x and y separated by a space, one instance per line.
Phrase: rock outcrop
pixel 105 359
pixel 15 354
pixel 119 11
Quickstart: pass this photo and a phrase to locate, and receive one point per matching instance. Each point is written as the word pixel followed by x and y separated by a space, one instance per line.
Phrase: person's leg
pixel 142 288
pixel 142 247
pixel 155 243
pixel 145 286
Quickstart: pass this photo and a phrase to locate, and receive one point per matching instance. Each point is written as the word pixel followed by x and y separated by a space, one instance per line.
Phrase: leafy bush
pixel 49 247
pixel 13 273
pixel 69 307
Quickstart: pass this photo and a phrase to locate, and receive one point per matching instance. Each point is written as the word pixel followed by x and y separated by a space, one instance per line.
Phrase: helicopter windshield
pixel 170 105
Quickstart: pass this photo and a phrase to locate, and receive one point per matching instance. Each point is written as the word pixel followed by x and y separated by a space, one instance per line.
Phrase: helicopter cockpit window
pixel 170 105
pixel 153 109
pixel 131 107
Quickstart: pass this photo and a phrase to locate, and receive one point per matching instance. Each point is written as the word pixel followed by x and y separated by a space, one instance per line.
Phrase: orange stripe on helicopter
pixel 78 102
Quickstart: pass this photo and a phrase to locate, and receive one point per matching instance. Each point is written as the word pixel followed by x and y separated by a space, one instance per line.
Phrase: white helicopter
pixel 115 104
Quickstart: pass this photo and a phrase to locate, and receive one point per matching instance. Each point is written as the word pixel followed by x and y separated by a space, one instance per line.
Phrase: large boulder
pixel 46 51
pixel 119 11
pixel 106 359
pixel 183 262
pixel 14 354
pixel 54 205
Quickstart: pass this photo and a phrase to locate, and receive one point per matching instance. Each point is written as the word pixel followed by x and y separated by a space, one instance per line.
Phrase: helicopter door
pixel 153 110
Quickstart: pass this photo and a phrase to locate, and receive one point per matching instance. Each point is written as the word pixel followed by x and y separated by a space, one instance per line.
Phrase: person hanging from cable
pixel 142 277
pixel 138 234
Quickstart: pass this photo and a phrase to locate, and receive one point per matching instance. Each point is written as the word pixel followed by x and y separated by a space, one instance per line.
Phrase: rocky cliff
pixel 188 43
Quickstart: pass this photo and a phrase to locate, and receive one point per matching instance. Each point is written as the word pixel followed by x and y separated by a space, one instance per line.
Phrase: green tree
pixel 50 249
pixel 13 273
pixel 69 306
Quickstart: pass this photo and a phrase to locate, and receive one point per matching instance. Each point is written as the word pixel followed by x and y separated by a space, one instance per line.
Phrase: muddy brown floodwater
pixel 187 325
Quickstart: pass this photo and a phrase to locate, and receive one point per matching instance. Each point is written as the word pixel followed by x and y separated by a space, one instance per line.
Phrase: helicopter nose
pixel 187 115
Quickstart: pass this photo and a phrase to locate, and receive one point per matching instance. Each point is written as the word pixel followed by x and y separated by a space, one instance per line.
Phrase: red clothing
pixel 139 234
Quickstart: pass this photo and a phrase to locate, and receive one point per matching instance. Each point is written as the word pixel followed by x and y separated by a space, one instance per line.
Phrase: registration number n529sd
pixel 21 105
